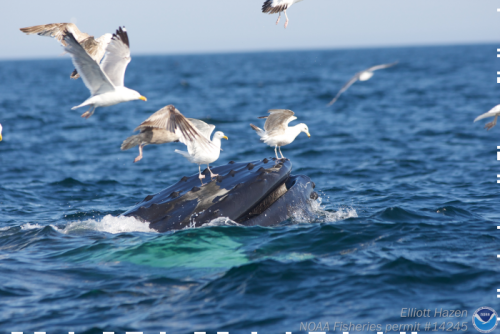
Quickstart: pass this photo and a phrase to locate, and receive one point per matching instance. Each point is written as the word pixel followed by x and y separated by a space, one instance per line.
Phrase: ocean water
pixel 406 217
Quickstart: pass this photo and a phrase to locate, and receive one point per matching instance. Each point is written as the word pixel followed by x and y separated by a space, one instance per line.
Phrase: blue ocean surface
pixel 407 215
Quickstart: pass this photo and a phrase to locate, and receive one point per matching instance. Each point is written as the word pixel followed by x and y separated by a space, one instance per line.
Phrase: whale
pixel 255 193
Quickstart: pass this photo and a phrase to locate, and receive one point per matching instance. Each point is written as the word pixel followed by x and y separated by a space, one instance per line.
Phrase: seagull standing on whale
pixel 160 128
pixel 495 111
pixel 361 76
pixel 276 131
pixel 200 154
pixel 105 82
pixel 95 47
pixel 278 6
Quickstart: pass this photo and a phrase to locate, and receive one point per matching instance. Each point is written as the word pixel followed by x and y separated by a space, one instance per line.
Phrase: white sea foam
pixel 109 223
pixel 29 226
pixel 222 221
pixel 343 212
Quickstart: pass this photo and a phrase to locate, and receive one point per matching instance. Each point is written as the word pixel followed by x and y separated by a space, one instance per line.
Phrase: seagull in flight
pixel 361 76
pixel 95 47
pixel 167 125
pixel 278 6
pixel 493 112
pixel 105 82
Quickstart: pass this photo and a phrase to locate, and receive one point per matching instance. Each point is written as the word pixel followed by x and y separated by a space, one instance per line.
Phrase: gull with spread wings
pixel 276 131
pixel 95 47
pixel 361 76
pixel 105 82
pixel 167 125
pixel 201 150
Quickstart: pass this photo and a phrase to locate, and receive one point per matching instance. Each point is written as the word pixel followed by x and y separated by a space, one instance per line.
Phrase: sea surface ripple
pixel 407 213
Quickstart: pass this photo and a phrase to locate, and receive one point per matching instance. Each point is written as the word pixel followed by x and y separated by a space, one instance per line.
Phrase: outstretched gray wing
pixel 204 128
pixel 56 30
pixel 172 120
pixel 380 67
pixel 93 77
pixel 278 120
pixel 117 57
pixel 345 87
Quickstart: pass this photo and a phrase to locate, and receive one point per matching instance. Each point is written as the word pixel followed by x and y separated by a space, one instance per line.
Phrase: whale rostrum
pixel 250 193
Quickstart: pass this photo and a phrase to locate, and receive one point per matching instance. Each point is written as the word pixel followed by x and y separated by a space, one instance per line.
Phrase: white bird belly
pixel 365 76
pixel 280 140
pixel 203 157
pixel 107 99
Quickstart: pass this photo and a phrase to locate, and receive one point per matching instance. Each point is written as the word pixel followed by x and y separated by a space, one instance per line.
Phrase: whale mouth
pixel 246 193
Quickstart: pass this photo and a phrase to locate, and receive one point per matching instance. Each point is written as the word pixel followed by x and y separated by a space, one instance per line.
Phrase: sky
pixel 203 26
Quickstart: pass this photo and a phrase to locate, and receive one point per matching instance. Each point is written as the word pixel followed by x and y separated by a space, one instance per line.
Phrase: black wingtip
pixel 69 35
pixel 266 7
pixel 121 34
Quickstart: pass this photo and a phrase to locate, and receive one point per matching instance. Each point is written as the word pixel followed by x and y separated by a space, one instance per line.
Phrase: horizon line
pixel 243 51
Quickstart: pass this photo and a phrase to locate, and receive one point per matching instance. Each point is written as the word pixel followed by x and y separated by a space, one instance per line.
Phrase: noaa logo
pixel 485 319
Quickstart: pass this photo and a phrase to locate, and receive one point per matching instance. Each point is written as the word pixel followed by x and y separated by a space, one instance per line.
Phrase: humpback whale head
pixel 250 193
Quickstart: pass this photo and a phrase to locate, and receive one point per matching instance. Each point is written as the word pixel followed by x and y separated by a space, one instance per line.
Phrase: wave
pixel 109 224
pixel 325 216
pixel 29 226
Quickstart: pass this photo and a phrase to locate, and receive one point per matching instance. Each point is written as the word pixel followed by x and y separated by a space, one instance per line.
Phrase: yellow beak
pixel 225 137
pixel 0 137
pixel 308 134
pixel 143 98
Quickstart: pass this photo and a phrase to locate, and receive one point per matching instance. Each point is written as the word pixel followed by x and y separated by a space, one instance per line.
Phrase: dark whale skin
pixel 238 189
pixel 295 202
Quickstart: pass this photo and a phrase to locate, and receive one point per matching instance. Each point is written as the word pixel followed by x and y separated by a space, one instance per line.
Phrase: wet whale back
pixel 239 188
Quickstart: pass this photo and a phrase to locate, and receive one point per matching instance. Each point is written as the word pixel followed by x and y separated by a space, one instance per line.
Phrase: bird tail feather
pixel 183 153
pixel 130 142
pixel 485 115
pixel 259 131
pixel 495 111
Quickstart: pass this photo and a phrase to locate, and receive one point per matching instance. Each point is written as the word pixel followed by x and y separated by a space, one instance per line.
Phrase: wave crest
pixel 109 224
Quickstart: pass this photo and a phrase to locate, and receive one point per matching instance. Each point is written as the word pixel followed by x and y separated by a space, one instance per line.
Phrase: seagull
pixel 278 6
pixel 0 132
pixel 161 127
pixel 95 47
pixel 198 152
pixel 493 112
pixel 361 76
pixel 276 131
pixel 105 82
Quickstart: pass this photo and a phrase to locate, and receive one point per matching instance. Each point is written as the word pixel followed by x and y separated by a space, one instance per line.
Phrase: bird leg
pixel 276 152
pixel 282 156
pixel 139 157
pixel 201 176
pixel 489 125
pixel 89 112
pixel 278 20
pixel 212 175
pixel 286 23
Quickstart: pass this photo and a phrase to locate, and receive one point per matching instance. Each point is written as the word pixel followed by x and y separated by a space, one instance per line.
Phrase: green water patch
pixel 200 248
